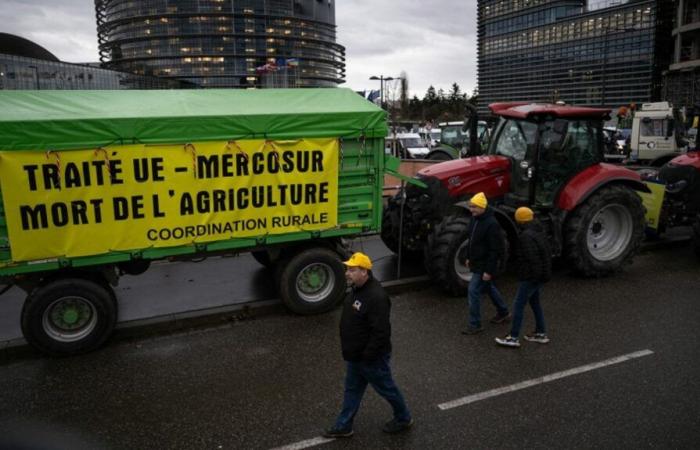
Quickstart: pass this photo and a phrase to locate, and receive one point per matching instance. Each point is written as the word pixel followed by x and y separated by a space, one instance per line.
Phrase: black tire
pixel 444 245
pixel 439 156
pixel 605 232
pixel 69 316
pixel 312 281
pixel 390 231
pixel 263 257
pixel 696 236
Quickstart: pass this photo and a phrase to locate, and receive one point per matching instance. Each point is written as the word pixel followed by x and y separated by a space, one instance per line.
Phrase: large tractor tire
pixel 441 254
pixel 442 262
pixel 311 281
pixel 69 316
pixel 391 224
pixel 604 232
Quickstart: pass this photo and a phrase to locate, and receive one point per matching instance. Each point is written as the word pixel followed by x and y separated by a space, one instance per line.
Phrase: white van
pixel 411 146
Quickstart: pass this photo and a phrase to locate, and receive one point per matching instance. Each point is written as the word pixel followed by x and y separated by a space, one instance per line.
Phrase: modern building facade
pixel 224 43
pixel 604 53
pixel 682 80
pixel 26 65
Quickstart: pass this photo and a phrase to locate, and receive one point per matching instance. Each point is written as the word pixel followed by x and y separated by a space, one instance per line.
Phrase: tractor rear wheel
pixel 605 231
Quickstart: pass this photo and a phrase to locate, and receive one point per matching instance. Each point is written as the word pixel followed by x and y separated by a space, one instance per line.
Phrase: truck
pixel 548 157
pixel 98 184
pixel 657 135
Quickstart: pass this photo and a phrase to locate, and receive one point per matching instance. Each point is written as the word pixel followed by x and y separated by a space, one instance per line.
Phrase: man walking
pixel 484 249
pixel 365 337
pixel 534 259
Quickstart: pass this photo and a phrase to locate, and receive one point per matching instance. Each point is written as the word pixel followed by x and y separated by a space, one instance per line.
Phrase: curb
pixel 16 349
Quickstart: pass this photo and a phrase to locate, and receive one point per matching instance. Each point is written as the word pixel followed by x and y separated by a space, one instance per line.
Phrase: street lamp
pixel 381 79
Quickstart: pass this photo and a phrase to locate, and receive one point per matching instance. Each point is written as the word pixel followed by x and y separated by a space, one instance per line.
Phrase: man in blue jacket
pixel 365 339
pixel 486 246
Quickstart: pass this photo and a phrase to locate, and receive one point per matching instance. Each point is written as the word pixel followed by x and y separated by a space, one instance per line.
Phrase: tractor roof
pixel 522 110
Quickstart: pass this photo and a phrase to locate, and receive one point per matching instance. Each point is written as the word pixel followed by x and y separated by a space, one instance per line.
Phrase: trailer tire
pixel 69 316
pixel 312 281
pixel 605 231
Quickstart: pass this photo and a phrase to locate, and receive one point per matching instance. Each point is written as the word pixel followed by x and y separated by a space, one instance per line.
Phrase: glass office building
pixel 26 65
pixel 224 43
pixel 605 53
pixel 682 80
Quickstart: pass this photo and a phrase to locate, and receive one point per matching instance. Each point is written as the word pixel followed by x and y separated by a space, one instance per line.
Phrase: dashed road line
pixel 305 444
pixel 545 379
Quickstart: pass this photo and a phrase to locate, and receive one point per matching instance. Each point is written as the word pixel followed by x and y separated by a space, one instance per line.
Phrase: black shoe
pixel 498 318
pixel 337 433
pixel 394 426
pixel 471 330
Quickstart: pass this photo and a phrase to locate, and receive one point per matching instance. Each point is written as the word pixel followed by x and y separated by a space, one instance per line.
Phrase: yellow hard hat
pixel 479 200
pixel 359 259
pixel 524 214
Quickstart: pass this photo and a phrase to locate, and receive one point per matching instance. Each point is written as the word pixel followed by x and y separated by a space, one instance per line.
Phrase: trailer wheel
pixel 605 231
pixel 444 245
pixel 312 281
pixel 69 316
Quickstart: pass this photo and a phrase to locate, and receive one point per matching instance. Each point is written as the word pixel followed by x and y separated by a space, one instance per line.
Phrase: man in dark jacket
pixel 534 259
pixel 365 338
pixel 484 250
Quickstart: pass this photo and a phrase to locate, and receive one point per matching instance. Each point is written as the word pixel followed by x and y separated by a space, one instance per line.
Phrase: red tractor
pixel 547 157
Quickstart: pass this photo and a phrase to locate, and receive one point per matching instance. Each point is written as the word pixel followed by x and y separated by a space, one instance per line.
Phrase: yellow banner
pixel 88 202
pixel 652 202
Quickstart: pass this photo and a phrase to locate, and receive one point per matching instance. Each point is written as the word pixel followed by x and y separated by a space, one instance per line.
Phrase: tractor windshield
pixel 515 138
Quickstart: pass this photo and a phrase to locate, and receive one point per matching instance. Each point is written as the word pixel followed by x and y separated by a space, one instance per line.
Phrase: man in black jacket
pixel 365 338
pixel 484 250
pixel 534 259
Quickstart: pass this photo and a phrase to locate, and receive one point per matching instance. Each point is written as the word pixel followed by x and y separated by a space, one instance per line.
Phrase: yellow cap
pixel 479 200
pixel 524 214
pixel 359 260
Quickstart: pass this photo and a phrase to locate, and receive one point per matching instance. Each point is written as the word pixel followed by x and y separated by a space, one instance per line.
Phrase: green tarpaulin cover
pixel 60 120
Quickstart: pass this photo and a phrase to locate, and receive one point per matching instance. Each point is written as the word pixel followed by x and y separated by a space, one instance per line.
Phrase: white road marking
pixel 545 379
pixel 305 444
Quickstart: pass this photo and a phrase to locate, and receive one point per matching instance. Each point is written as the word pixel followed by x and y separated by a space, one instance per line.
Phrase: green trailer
pixel 97 184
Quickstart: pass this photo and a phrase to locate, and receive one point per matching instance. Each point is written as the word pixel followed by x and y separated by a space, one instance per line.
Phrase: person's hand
pixel 486 276
pixel 466 263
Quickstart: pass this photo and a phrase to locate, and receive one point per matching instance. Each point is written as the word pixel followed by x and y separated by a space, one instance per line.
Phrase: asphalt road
pixel 276 380
pixel 170 292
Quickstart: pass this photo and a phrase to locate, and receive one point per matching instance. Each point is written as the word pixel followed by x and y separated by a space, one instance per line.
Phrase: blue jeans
pixel 378 374
pixel 477 286
pixel 528 291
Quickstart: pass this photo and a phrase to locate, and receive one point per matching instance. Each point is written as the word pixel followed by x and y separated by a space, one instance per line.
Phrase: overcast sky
pixel 434 43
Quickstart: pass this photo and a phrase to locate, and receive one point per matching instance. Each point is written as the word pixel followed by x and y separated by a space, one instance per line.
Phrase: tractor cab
pixel 547 145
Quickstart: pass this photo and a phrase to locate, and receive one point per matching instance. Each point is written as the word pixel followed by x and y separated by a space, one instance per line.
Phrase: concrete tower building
pixel 223 43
